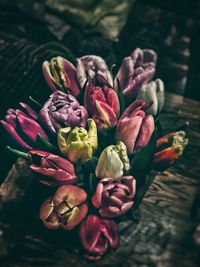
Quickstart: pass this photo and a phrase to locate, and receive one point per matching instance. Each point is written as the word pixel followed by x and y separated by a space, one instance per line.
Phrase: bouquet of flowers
pixel 94 141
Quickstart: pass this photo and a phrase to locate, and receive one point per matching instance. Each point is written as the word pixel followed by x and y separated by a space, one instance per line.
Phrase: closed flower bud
pixel 62 110
pixel 22 126
pixel 169 148
pixel 153 92
pixel 60 74
pixel 134 127
pixel 92 67
pixel 113 162
pixel 114 198
pixel 97 236
pixel 53 170
pixel 135 71
pixel 102 104
pixel 78 143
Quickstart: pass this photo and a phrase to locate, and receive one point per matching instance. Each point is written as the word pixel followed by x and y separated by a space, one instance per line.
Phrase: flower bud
pixel 78 143
pixel 60 74
pixel 113 162
pixel 97 236
pixel 92 67
pixel 135 71
pixel 153 92
pixel 134 127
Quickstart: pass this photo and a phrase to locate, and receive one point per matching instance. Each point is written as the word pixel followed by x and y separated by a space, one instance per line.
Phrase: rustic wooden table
pixel 165 235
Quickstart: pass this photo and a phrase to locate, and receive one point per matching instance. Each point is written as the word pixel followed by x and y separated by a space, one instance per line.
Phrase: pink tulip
pixel 134 127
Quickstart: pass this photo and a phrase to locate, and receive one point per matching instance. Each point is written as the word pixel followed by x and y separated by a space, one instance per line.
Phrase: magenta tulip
pixel 97 236
pixel 22 126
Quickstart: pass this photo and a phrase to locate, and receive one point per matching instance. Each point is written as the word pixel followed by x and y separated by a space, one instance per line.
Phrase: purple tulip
pixel 114 198
pixel 62 110
pixel 22 126
pixel 60 74
pixel 135 71
pixel 134 127
pixel 53 169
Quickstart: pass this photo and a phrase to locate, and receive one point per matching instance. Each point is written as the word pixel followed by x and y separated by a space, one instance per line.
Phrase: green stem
pixel 18 152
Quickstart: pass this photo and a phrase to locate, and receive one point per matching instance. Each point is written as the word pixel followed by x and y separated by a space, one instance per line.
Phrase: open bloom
pixel 114 198
pixel 135 71
pixel 134 127
pixel 54 170
pixel 22 126
pixel 78 143
pixel 153 92
pixel 102 104
pixel 113 162
pixel 169 148
pixel 60 74
pixel 97 236
pixel 90 67
pixel 62 110
pixel 66 209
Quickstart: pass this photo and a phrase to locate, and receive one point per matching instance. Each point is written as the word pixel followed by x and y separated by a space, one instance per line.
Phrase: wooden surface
pixel 165 235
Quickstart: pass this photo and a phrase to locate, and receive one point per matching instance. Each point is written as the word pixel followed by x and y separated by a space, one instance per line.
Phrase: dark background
pixel 32 31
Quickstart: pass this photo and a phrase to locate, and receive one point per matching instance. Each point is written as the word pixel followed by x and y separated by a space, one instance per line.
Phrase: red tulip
pixel 97 236
pixel 114 198
pixel 66 209
pixel 102 104
pixel 134 127
pixel 169 148
pixel 55 170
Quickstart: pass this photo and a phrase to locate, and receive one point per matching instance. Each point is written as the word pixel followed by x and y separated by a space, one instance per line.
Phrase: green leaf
pixel 141 161
pixel 41 143
pixel 18 152
pixel 92 183
pixel 121 98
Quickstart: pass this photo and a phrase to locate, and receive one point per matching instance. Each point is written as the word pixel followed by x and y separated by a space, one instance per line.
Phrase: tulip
pixel 90 67
pixel 97 236
pixel 62 110
pixel 78 143
pixel 54 169
pixel 169 148
pixel 66 209
pixel 102 104
pixel 114 198
pixel 135 71
pixel 134 127
pixel 60 74
pixel 153 92
pixel 113 161
pixel 22 126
